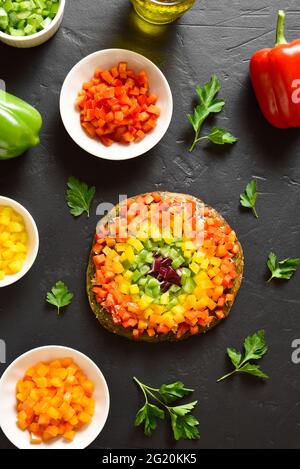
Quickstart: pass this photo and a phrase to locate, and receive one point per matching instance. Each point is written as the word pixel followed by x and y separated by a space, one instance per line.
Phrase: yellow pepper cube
pixel 194 267
pixel 124 288
pixel 123 257
pixel 199 293
pixel 16 217
pixel 4 236
pixel 15 266
pixel 130 256
pixel 7 254
pixel 112 254
pixel 189 246
pixel 136 244
pixel 203 302
pixel 216 261
pixel 168 239
pixel 4 219
pixel 168 320
pixel 148 313
pixel 201 277
pixel 165 298
pixel 20 247
pixel 120 247
pixel 23 237
pixel 191 301
pixel 178 309
pixel 15 227
pixel 206 284
pixel 119 279
pixel 211 272
pixel 155 235
pixel 134 289
pixel 187 254
pixel 106 250
pixel 198 257
pixel 178 318
pixel 182 298
pixel 128 274
pixel 117 267
pixel 145 301
pixel 8 244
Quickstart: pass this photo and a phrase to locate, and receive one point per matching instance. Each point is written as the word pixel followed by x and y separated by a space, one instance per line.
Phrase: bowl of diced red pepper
pixel 116 104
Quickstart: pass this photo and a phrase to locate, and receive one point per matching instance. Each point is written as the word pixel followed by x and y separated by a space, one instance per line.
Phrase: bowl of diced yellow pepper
pixel 19 241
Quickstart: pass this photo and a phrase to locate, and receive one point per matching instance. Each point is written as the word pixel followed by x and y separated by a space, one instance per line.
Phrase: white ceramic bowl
pixel 16 371
pixel 83 72
pixel 33 240
pixel 37 38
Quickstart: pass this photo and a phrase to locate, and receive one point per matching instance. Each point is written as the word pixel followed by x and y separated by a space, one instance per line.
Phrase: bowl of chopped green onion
pixel 29 23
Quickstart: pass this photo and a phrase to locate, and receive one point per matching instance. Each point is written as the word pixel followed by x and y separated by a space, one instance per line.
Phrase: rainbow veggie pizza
pixel 163 266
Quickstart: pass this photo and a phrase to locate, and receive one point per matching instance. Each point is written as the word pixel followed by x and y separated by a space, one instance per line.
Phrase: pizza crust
pixel 105 318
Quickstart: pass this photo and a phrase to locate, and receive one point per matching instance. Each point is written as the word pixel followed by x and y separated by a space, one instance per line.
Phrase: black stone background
pixel 215 37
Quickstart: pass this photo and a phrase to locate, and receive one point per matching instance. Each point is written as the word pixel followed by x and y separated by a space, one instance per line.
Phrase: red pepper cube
pixel 107 142
pixel 154 110
pixel 107 77
pixel 119 116
pixel 123 70
pixel 139 136
pixel 114 72
pixel 109 117
pixel 128 137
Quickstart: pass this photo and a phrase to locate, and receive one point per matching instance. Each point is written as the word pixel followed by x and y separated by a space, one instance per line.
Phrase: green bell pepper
pixel 20 125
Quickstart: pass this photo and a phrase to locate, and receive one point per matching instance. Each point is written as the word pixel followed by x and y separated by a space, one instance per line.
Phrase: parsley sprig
pixel 79 197
pixel 209 103
pixel 184 425
pixel 59 296
pixel 284 269
pixel 254 349
pixel 249 197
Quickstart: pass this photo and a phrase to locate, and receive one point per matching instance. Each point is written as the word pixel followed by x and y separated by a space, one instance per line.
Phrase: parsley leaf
pixel 59 296
pixel 249 197
pixel 172 392
pixel 254 349
pixel 209 103
pixel 255 346
pixel 148 415
pixel 184 409
pixel 220 136
pixel 235 356
pixel 284 269
pixel 253 370
pixel 79 196
pixel 184 425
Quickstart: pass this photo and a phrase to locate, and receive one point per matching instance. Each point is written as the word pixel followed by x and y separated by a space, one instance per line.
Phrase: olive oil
pixel 161 11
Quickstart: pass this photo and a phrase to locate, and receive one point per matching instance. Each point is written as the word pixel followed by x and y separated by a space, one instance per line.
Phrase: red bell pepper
pixel 275 75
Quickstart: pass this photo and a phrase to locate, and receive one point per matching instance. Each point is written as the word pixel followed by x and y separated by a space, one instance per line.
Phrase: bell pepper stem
pixel 280 38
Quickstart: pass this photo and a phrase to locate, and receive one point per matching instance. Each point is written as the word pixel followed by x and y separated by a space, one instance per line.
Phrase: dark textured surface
pixel 215 37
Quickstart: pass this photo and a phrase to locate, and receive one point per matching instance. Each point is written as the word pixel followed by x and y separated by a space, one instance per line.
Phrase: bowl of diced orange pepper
pixel 116 104
pixel 53 397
